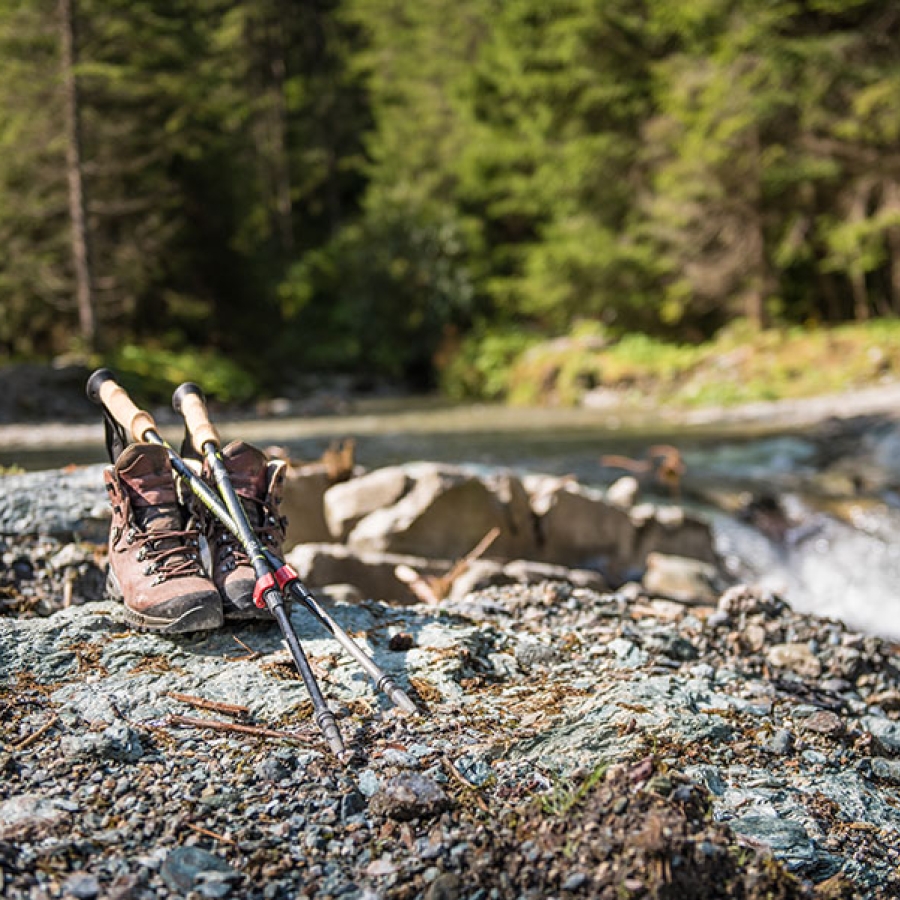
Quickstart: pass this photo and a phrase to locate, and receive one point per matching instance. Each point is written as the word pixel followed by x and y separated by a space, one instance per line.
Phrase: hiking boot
pixel 154 555
pixel 259 484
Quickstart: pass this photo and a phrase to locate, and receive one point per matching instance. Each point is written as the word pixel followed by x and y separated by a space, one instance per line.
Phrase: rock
pixel 781 743
pixel 824 721
pixel 788 839
pixel 886 769
pixel 303 505
pixel 575 881
pixel 341 593
pixel 272 769
pixel 190 868
pixel 443 516
pixel 887 731
pixel 351 501
pixel 523 571
pixel 409 796
pixel 81 886
pixel 446 886
pixel 623 492
pixel 673 532
pixel 798 658
pixel 479 574
pixel 577 527
pixel 680 578
pixel 115 742
pixel 69 504
pixel 518 531
pixel 352 803
pixel 373 574
pixel 29 815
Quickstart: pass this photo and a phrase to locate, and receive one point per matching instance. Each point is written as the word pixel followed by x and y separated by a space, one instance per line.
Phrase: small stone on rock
pixel 82 886
pixel 186 868
pixel 409 796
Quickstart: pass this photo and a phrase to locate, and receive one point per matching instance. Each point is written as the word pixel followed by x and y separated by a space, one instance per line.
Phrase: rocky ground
pixel 572 742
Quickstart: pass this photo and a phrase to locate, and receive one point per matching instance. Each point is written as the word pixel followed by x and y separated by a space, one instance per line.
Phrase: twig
pixel 37 735
pixel 432 590
pixel 252 654
pixel 475 553
pixel 205 831
pixel 232 709
pixel 417 584
pixel 217 725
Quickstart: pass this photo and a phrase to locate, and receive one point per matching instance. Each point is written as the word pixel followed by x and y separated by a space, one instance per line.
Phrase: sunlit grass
pixel 739 366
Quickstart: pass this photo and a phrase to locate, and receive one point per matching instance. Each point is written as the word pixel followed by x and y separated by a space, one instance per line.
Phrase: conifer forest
pixel 376 185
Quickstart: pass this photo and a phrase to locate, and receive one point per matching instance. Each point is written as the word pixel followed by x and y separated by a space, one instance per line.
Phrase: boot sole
pixel 200 618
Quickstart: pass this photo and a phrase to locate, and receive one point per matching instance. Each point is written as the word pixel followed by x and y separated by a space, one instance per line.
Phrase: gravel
pixel 572 743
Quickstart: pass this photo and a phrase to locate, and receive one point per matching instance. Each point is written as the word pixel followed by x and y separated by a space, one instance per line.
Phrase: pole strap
pixel 116 437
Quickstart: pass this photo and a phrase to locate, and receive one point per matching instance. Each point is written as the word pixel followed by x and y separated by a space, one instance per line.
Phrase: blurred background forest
pixel 421 191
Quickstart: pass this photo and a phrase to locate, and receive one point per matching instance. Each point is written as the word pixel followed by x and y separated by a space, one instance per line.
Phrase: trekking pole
pixel 103 389
pixel 188 400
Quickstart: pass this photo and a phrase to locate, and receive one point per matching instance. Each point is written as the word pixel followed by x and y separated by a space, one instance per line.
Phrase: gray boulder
pixel 373 574
pixel 350 501
pixel 577 527
pixel 303 504
pixel 443 516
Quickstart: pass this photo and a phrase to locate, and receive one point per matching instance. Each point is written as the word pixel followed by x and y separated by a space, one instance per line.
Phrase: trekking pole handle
pixel 104 390
pixel 188 400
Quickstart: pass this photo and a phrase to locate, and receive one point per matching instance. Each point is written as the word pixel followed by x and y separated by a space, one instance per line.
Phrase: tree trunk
pixel 857 276
pixel 81 255
pixel 759 281
pixel 280 161
pixel 892 204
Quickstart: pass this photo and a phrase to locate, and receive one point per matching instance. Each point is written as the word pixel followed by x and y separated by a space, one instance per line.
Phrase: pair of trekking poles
pixel 275 579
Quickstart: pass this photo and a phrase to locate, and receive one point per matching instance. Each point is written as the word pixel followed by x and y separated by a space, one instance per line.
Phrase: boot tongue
pixel 247 469
pixel 145 472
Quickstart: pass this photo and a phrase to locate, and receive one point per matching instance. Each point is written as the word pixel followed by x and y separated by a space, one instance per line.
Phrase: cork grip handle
pixel 188 400
pixel 103 388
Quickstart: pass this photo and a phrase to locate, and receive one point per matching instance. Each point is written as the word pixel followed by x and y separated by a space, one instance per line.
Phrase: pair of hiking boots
pixel 157 563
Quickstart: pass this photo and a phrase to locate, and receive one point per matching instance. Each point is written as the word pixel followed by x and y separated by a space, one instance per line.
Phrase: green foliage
pixel 381 297
pixel 152 373
pixel 742 364
pixel 565 796
pixel 423 189
pixel 480 367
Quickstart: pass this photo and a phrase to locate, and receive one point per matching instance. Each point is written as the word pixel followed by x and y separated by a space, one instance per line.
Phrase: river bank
pixel 574 742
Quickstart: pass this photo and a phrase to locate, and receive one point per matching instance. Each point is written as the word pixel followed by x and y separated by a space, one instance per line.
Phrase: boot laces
pixel 268 528
pixel 169 552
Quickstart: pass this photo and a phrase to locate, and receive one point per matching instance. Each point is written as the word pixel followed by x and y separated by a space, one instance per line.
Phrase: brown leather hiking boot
pixel 259 484
pixel 154 556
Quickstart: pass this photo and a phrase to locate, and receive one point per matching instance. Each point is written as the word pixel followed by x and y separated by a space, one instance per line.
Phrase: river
pixel 806 505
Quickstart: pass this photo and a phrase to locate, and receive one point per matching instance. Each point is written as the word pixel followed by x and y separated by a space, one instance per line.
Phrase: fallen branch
pixel 432 590
pixel 37 735
pixel 231 709
pixel 218 725
pixel 251 653
pixel 212 834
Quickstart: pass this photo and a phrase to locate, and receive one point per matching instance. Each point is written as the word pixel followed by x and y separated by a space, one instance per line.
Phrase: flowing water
pixel 812 513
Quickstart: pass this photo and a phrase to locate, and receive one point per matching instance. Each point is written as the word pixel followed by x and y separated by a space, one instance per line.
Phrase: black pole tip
pixel 184 390
pixel 94 383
